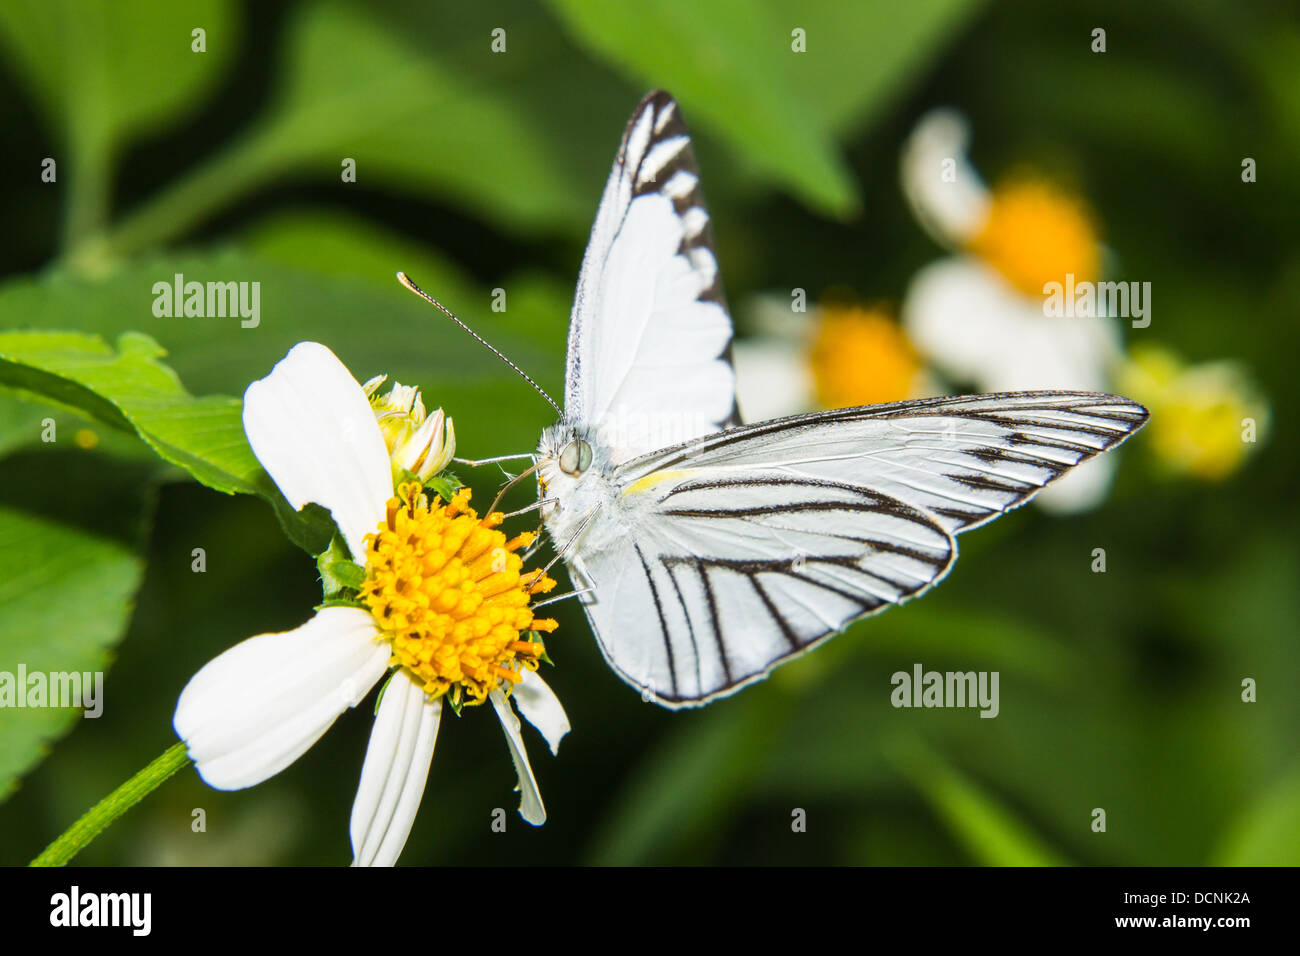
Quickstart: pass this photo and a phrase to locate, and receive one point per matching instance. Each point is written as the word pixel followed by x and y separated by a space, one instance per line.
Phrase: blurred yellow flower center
pixel 1036 234
pixel 1205 418
pixel 861 357
pixel 449 594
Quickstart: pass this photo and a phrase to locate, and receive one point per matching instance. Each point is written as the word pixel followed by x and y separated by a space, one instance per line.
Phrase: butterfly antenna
pixel 403 278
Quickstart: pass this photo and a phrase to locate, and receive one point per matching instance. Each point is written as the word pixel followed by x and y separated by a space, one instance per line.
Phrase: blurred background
pixel 479 169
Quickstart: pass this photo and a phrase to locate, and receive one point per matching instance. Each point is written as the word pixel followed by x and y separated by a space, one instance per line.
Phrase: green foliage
pixel 735 67
pixel 130 389
pixel 96 68
pixel 751 101
pixel 1268 831
pixel 991 833
pixel 69 570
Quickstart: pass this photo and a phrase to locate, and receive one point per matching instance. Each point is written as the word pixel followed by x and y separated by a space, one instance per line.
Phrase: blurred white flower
pixel 978 315
pixel 837 355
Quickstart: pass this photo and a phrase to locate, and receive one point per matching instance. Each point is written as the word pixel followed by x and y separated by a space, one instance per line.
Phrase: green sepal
pixel 340 576
pixel 536 638
pixel 444 485
pixel 455 707
pixel 383 690
pixel 341 602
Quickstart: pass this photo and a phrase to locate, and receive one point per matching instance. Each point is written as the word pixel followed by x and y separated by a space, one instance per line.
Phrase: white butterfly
pixel 713 551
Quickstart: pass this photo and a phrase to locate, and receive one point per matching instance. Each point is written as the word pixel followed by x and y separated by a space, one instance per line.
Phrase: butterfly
pixel 705 551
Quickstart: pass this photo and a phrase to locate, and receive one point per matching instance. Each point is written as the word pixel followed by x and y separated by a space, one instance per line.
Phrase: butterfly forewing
pixel 649 339
pixel 963 459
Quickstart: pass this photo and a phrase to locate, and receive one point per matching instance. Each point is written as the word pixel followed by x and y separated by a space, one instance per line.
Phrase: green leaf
pixel 990 831
pixel 1268 832
pixel 99 64
pixel 344 246
pixel 356 89
pixel 68 573
pixel 863 56
pixel 95 68
pixel 678 800
pixel 128 388
pixel 372 323
pixel 730 64
pixel 20 422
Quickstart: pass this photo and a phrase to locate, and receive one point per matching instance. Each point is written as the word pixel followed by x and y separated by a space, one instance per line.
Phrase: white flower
pixel 978 315
pixel 257 707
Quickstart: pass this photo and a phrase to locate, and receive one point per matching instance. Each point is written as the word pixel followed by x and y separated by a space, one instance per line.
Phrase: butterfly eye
pixel 576 457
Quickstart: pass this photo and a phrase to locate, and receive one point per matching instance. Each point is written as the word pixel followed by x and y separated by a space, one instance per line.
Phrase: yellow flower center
pixel 1199 414
pixel 861 357
pixel 1036 234
pixel 449 594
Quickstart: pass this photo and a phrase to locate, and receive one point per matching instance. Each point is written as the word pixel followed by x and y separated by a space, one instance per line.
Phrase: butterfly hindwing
pixel 751 546
pixel 732 573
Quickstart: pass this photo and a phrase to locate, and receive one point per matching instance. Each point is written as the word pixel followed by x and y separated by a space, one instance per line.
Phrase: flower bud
pixel 418 443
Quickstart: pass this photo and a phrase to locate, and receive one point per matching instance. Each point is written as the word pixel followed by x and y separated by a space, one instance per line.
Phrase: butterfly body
pixel 708 551
pixel 578 494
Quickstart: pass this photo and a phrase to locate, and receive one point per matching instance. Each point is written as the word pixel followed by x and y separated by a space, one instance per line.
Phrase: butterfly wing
pixel 649 340
pixel 746 548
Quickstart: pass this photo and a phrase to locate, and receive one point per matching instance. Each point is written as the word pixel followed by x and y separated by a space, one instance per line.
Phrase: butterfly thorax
pixel 577 486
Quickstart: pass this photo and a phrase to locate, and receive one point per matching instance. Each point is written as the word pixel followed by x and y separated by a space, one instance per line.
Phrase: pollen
pixel 860 356
pixel 449 593
pixel 1037 233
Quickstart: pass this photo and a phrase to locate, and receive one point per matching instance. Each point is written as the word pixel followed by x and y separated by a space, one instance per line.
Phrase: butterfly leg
pixel 476 462
pixel 540 503
pixel 563 597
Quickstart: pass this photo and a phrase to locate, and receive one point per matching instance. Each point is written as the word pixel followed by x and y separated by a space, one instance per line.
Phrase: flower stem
pixel 94 820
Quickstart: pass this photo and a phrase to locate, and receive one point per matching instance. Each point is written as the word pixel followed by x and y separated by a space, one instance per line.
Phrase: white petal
pixel 773 379
pixel 530 799
pixel 395 772
pixel 945 192
pixel 255 709
pixel 539 705
pixel 313 430
pixel 956 313
pixel 975 326
pixel 1056 351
